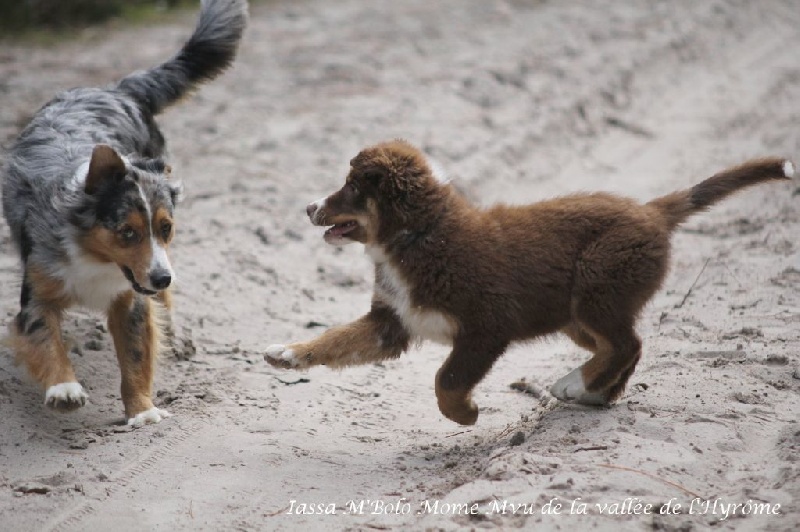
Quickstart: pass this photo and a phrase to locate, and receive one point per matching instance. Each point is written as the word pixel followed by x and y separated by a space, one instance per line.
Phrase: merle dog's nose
pixel 311 209
pixel 160 279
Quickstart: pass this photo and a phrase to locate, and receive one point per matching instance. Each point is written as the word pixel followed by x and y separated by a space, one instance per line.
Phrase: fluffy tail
pixel 679 206
pixel 210 50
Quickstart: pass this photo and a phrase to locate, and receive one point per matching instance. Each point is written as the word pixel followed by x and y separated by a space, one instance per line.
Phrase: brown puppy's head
pixel 126 217
pixel 390 188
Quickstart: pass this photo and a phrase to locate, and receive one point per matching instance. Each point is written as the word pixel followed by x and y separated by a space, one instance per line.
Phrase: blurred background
pixel 18 16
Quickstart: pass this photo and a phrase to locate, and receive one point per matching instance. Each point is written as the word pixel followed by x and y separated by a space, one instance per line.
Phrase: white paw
pixel 570 388
pixel 65 396
pixel 280 356
pixel 154 415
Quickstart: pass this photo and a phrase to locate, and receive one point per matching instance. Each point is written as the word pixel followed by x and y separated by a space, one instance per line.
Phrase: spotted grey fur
pixel 43 198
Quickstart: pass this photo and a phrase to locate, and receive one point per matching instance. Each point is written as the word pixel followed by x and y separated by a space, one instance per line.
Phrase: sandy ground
pixel 519 101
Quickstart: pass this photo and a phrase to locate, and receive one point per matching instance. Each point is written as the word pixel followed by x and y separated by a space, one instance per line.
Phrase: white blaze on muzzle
pixel 160 260
pixel 317 207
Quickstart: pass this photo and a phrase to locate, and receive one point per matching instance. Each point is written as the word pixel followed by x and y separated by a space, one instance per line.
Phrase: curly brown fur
pixel 480 279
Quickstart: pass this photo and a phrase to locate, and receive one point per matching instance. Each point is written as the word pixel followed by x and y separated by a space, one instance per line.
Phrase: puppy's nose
pixel 311 209
pixel 160 279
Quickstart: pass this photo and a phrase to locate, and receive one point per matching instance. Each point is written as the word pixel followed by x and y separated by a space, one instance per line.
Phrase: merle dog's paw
pixel 151 416
pixel 65 397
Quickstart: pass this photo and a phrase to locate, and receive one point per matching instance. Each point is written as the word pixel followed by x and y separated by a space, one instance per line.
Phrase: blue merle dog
pixel 90 200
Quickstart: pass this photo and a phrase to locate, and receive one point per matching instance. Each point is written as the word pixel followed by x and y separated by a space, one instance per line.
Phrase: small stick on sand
pixel 679 305
pixel 654 477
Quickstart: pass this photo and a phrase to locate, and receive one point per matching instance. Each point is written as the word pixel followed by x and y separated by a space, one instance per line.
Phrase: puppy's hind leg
pixel 132 324
pixel 471 359
pixel 35 337
pixel 615 277
pixel 376 336
pixel 602 379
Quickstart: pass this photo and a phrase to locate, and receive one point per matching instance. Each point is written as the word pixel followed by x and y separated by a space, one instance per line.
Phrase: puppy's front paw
pixel 570 388
pixel 65 397
pixel 282 356
pixel 464 414
pixel 457 406
pixel 153 415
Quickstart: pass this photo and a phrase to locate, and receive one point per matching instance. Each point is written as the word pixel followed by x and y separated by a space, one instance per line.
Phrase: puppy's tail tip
pixel 788 168
pixel 678 206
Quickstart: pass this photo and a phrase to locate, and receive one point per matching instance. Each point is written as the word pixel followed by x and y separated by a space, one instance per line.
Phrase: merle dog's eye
pixel 129 235
pixel 166 230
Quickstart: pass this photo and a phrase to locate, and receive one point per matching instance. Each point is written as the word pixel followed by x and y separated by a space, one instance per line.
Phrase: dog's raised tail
pixel 679 206
pixel 209 51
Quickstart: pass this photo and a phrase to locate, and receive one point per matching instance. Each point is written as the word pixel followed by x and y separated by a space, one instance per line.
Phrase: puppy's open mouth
pixel 340 231
pixel 136 286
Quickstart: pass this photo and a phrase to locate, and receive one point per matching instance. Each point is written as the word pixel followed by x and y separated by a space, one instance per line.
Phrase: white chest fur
pixel 420 322
pixel 93 284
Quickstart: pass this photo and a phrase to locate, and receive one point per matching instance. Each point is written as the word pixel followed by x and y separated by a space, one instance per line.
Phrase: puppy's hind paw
pixel 65 397
pixel 281 356
pixel 570 388
pixel 153 415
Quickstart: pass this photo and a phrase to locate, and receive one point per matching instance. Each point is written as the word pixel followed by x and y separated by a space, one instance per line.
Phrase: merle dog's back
pixel 60 138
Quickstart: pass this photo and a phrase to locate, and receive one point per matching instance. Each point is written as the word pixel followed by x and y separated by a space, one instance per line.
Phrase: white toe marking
pixel 788 168
pixel 570 387
pixel 66 391
pixel 280 353
pixel 154 415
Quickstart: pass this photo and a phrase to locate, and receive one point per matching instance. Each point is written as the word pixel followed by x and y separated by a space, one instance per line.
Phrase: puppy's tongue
pixel 339 230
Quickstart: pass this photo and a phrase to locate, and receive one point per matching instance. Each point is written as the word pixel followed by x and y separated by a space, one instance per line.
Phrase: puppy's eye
pixel 353 188
pixel 166 230
pixel 373 176
pixel 129 235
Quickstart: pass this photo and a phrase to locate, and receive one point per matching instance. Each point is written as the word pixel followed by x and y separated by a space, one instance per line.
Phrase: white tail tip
pixel 788 168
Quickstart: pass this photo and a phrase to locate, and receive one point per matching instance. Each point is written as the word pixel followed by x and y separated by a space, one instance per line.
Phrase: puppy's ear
pixel 106 165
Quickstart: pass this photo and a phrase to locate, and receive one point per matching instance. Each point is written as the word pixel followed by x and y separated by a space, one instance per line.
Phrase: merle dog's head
pixel 126 217
pixel 390 188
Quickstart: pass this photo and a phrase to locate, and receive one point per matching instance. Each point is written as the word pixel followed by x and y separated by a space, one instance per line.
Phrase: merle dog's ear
pixel 176 192
pixel 106 164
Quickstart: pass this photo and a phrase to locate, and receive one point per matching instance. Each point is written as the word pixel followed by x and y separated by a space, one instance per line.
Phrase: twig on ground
pixel 591 448
pixel 654 477
pixel 688 292
pixel 301 380
pixel 276 512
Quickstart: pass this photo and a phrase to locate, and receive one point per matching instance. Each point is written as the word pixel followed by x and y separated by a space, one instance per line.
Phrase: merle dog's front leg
pixel 135 331
pixel 35 336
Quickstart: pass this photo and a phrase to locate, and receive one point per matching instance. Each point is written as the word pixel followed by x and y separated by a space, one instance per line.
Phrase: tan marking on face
pixel 117 246
pixel 370 221
pixel 336 211
pixel 163 229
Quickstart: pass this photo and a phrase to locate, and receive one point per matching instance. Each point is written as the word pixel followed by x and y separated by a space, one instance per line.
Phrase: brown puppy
pixel 477 279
